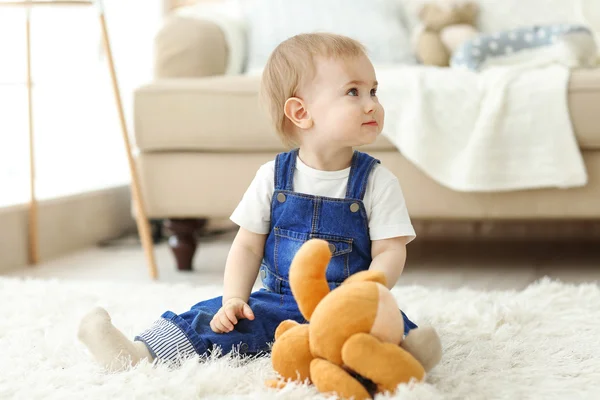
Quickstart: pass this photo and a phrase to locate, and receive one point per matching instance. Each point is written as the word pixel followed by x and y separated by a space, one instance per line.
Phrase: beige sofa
pixel 201 136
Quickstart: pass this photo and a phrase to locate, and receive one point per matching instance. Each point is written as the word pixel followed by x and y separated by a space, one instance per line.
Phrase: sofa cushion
pixel 174 185
pixel 222 113
pixel 180 45
pixel 584 97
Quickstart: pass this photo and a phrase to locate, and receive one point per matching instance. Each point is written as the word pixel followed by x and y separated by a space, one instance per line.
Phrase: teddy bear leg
pixel 424 344
pixel 386 364
pixel 290 354
pixel 331 378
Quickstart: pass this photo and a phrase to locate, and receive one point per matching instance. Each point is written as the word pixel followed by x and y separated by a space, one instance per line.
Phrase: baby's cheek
pixel 388 325
pixel 381 116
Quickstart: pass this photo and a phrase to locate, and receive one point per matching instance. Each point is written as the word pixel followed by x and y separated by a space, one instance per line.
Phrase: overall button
pixel 332 247
pixel 263 274
pixel 354 207
pixel 244 347
pixel 281 197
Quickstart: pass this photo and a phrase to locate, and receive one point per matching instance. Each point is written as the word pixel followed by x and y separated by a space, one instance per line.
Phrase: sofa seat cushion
pixel 190 185
pixel 222 113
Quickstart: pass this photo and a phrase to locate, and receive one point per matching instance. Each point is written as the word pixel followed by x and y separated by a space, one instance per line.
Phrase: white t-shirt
pixel 384 201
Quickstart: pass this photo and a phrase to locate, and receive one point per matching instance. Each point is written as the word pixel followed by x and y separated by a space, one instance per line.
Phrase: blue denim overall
pixel 295 218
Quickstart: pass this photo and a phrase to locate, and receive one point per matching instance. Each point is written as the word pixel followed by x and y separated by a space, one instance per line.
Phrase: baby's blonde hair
pixel 291 64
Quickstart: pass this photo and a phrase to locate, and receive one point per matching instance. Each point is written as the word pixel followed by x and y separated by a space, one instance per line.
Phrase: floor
pixel 480 265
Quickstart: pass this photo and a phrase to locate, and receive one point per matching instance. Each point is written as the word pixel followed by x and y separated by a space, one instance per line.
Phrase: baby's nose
pixel 370 106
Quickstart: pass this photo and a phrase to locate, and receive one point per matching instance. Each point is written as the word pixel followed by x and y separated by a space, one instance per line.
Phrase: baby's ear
pixel 295 110
pixel 367 276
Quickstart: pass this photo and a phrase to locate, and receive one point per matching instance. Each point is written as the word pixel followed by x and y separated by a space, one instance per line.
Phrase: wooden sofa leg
pixel 183 240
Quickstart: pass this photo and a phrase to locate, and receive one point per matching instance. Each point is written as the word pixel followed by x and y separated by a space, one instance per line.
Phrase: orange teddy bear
pixel 353 344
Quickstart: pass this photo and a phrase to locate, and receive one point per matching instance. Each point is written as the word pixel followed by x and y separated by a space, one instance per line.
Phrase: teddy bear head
pixel 437 16
pixel 360 305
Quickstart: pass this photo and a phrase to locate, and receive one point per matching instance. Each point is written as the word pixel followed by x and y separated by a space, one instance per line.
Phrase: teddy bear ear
pixel 367 276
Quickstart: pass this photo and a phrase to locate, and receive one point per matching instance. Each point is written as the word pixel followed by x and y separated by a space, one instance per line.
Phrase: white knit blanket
pixel 506 128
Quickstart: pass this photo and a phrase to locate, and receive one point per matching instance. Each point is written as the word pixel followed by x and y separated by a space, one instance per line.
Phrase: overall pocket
pixel 339 265
pixel 287 244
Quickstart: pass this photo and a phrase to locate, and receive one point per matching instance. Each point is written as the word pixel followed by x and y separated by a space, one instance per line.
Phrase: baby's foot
pixel 107 344
pixel 424 344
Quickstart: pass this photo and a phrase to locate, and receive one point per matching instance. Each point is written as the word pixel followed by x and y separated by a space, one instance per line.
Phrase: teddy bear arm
pixel 386 364
pixel 331 378
pixel 431 49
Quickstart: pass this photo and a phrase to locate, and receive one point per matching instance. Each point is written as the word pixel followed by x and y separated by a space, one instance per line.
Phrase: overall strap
pixel 285 164
pixel 360 169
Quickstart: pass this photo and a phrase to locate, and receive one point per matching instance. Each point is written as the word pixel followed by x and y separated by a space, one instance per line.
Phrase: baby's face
pixel 343 104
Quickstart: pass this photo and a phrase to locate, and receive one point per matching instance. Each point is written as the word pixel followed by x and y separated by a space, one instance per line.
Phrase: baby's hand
pixel 228 315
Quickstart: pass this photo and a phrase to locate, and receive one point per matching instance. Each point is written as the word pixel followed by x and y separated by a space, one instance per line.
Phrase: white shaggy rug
pixel 540 343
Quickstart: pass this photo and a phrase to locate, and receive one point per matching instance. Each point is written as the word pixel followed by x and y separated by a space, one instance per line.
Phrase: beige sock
pixel 107 344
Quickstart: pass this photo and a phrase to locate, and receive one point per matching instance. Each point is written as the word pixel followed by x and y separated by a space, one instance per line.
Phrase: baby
pixel 321 93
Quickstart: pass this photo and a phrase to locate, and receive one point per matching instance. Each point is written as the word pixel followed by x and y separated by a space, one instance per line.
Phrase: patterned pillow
pixel 523 44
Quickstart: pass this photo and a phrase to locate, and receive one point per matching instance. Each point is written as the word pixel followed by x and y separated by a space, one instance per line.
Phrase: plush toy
pixel 353 344
pixel 444 26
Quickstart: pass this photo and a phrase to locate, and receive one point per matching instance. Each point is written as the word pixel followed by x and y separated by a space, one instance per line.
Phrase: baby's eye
pixel 374 92
pixel 353 92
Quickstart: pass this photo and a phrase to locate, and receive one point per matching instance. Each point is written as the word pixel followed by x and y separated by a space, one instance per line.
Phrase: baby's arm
pixel 243 263
pixel 241 269
pixel 389 256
